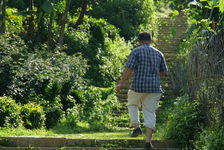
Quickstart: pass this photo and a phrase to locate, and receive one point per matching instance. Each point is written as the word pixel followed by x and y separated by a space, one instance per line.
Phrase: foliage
pixel 210 95
pixel 33 116
pixel 184 120
pixel 104 49
pixel 127 15
pixel 13 52
pixel 98 106
pixel 9 112
pixel 41 70
pixel 72 117
pixel 210 139
pixel 95 107
pixel 14 21
pixel 54 114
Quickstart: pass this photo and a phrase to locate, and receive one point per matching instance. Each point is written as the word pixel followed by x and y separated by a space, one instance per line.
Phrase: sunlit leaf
pixel 221 6
pixel 175 13
pixel 210 29
pixel 12 17
pixel 208 7
pixel 210 3
pixel 194 21
pixel 195 3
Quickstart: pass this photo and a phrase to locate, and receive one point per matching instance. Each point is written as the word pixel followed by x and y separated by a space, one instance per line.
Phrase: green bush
pixel 13 52
pixel 99 106
pixel 53 114
pixel 103 48
pixel 210 139
pixel 72 117
pixel 43 69
pixel 130 16
pixel 9 112
pixel 183 122
pixel 102 115
pixel 33 116
pixel 52 91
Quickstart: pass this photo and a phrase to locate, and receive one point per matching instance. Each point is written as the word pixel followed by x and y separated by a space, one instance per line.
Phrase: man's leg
pixel 133 109
pixel 149 106
pixel 148 133
pixel 134 116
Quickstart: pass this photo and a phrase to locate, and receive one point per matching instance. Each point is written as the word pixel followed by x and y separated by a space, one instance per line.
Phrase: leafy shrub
pixel 114 60
pixel 183 121
pixel 99 106
pixel 33 116
pixel 9 112
pixel 52 91
pixel 13 52
pixel 106 111
pixel 72 117
pixel 128 15
pixel 53 114
pixel 103 48
pixel 43 69
pixel 14 21
pixel 210 139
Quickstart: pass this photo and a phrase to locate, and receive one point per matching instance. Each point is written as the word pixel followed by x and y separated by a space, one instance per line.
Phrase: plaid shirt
pixel 147 62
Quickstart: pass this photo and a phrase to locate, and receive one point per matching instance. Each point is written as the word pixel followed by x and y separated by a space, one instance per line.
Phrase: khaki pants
pixel 149 103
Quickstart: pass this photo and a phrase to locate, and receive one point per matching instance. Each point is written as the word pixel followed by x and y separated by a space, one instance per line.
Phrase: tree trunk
pixel 63 22
pixel 81 16
pixel 31 18
pixel 3 16
pixel 50 40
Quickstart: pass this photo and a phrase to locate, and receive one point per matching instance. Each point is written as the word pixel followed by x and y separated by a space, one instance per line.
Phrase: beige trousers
pixel 149 103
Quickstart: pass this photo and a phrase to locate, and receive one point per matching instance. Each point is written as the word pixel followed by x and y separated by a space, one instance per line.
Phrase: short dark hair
pixel 144 36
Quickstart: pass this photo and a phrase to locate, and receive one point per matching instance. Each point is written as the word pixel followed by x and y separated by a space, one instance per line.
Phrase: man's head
pixel 145 37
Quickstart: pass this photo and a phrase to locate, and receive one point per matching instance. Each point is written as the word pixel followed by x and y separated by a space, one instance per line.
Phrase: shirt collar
pixel 147 44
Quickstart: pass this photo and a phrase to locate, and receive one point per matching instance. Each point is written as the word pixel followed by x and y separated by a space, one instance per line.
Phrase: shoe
pixel 136 132
pixel 148 146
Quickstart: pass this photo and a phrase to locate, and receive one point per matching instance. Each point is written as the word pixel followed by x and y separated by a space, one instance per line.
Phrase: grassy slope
pixel 118 133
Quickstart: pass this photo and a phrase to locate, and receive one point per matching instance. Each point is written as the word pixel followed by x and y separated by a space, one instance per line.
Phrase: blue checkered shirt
pixel 147 62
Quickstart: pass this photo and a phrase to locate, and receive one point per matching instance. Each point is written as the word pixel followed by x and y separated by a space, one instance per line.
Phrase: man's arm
pixel 126 74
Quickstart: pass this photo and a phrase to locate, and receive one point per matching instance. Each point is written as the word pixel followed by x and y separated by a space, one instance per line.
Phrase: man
pixel 149 66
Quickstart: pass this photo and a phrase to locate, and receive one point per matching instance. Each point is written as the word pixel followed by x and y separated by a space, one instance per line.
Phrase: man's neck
pixel 144 42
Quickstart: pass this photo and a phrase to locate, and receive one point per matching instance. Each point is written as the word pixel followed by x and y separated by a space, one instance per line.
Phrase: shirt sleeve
pixel 132 60
pixel 163 66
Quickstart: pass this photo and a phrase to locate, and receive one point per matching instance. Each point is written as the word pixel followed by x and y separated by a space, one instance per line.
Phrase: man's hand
pixel 118 89
pixel 126 74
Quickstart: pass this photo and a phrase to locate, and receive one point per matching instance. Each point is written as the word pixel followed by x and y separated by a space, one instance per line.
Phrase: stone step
pixel 53 142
